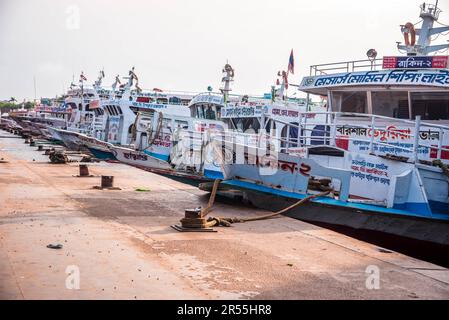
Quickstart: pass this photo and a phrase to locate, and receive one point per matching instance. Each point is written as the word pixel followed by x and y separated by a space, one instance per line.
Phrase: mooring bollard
pixel 40 148
pixel 32 143
pixel 48 151
pixel 84 170
pixel 107 181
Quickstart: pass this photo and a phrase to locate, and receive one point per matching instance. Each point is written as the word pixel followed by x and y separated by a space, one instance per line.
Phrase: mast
pixel 114 86
pixel 228 77
pixel 99 80
pixel 34 81
pixel 429 14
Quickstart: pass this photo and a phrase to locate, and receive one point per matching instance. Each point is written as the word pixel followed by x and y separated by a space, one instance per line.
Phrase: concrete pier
pixel 121 245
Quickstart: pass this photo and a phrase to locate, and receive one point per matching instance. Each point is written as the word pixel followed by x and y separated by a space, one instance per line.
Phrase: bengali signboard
pixel 435 78
pixel 207 98
pixel 371 176
pixel 415 62
pixel 395 140
pixel 242 111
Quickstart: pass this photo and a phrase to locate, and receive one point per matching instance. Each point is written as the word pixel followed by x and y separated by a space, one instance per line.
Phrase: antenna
pixel 34 80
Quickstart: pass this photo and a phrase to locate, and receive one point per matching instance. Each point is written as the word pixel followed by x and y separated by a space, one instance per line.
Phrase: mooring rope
pixel 227 222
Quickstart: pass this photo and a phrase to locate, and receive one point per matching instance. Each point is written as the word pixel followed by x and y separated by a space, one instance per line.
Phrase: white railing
pixel 346 66
pixel 375 126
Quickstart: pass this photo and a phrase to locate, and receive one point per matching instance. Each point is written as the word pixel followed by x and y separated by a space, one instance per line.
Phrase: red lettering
pixel 305 169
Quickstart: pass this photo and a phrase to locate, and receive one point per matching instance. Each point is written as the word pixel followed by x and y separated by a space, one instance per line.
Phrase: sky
pixel 183 44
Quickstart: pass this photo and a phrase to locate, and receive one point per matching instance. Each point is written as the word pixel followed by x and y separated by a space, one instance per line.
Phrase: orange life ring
pixel 409 34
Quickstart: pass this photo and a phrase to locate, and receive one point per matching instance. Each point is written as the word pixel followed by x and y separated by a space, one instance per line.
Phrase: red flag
pixel 291 63
pixel 82 77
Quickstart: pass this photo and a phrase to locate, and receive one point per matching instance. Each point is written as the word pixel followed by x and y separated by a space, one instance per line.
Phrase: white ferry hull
pixel 138 159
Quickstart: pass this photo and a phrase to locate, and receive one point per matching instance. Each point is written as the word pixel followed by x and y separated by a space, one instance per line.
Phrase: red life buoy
pixel 409 34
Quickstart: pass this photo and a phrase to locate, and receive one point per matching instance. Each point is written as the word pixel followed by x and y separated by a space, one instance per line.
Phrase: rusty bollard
pixel 84 170
pixel 48 151
pixel 107 182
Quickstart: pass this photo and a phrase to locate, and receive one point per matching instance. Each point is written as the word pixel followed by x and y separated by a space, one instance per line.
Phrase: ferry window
pixel 200 112
pixel 80 107
pixel 185 102
pixel 351 102
pixel 110 110
pixel 430 105
pixel 181 124
pixel 218 109
pixel 244 125
pixel 162 100
pixel 166 123
pixel 292 135
pixel 174 100
pixel 392 104
pixel 269 124
pixel 210 113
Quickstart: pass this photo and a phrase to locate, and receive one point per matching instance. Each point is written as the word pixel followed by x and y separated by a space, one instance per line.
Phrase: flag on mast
pixel 291 63
pixel 82 77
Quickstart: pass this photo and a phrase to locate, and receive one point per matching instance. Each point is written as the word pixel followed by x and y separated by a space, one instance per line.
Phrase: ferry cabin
pixel 377 142
pixel 247 116
pixel 78 102
pixel 116 117
pixel 380 111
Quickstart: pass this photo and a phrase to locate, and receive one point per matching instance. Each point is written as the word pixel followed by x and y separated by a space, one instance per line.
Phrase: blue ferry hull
pixel 102 155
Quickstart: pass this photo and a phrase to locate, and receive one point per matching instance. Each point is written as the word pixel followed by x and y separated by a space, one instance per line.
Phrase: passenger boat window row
pixel 171 100
pixel 397 104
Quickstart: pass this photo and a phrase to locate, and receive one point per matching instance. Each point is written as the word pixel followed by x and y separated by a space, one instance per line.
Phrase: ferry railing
pixel 376 131
pixel 346 66
pixel 373 124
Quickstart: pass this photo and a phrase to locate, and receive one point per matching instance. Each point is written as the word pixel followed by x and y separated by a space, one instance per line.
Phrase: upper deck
pixel 410 73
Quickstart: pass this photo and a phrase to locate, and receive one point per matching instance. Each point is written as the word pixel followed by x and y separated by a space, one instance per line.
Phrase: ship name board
pixel 438 78
pixel 422 62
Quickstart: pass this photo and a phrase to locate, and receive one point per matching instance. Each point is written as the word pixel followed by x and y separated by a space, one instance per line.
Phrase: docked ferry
pixel 112 113
pixel 180 144
pixel 380 149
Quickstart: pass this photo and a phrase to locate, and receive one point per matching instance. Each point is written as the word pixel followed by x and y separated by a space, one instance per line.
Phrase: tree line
pixel 7 106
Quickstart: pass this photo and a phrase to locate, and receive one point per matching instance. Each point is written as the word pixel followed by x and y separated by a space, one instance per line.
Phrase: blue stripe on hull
pixel 213 174
pixel 159 156
pixel 369 208
pixel 440 207
pixel 103 155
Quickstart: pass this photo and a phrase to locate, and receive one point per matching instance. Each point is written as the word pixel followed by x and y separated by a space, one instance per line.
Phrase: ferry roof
pixel 406 79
